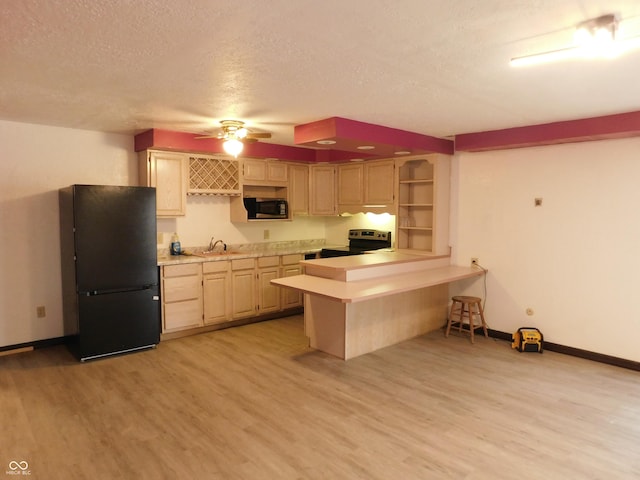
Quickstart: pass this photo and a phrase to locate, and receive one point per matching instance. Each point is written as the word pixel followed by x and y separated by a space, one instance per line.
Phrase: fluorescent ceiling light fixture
pixel 233 147
pixel 595 38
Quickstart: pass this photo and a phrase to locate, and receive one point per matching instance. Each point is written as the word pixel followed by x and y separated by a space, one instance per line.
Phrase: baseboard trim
pixel 577 352
pixel 23 347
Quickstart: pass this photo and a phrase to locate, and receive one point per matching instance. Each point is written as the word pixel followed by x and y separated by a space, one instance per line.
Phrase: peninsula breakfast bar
pixel 361 303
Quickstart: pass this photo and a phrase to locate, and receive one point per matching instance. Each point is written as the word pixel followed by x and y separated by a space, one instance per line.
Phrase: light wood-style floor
pixel 255 403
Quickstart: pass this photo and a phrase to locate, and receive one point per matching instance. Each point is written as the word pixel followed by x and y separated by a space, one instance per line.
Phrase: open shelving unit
pixel 415 205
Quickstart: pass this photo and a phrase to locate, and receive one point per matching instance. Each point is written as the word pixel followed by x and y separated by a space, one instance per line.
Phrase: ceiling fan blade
pixel 258 135
pixel 207 136
pixel 249 140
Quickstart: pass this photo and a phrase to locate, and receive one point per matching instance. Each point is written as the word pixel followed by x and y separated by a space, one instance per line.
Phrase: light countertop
pixel 362 290
pixel 246 250
pixel 371 265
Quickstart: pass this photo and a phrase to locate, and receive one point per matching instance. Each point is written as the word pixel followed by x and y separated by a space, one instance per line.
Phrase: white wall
pixel 574 259
pixel 35 162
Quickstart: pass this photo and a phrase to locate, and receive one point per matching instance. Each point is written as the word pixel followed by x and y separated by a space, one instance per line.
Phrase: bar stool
pixel 462 305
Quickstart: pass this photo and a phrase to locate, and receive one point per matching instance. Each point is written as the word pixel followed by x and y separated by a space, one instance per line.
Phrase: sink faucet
pixel 212 245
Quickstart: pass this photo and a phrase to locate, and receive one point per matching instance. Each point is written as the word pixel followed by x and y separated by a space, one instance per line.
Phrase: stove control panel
pixel 363 234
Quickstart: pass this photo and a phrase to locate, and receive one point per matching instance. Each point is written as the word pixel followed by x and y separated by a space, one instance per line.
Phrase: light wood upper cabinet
pixel 368 186
pixel 255 170
pixel 298 189
pixel 379 182
pixel 322 190
pixel 169 173
pixel 350 184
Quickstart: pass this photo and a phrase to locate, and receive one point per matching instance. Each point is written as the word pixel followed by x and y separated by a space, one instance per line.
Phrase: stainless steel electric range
pixel 360 241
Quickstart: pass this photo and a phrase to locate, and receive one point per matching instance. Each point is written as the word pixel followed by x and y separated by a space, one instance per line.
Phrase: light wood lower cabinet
pixel 290 266
pixel 181 297
pixel 217 292
pixel 268 295
pixel 210 293
pixel 243 283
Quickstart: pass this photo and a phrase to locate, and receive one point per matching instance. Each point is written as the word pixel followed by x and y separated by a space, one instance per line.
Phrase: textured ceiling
pixel 436 67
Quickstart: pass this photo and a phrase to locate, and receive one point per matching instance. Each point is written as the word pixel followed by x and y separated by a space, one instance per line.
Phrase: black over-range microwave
pixel 266 208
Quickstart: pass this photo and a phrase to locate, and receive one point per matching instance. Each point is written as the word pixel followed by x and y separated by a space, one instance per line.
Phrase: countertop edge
pixel 185 259
pixel 359 291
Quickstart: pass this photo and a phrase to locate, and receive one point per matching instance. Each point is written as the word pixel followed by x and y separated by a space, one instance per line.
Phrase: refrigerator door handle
pixel 116 290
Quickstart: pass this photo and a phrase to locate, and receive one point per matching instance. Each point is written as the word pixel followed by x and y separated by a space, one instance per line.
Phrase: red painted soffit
pixel 187 142
pixel 350 134
pixel 623 125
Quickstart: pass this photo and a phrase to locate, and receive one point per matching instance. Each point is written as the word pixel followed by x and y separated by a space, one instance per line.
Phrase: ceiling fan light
pixel 242 132
pixel 233 147
pixel 594 38
pixel 582 36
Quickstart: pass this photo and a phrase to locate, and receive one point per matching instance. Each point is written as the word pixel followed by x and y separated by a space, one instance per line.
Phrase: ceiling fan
pixel 594 38
pixel 235 135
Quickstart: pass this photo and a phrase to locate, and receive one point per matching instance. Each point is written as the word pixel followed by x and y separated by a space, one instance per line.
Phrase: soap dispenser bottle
pixel 175 244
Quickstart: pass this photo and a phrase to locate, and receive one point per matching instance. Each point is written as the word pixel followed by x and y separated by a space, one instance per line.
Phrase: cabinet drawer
pixel 181 288
pixel 268 262
pixel 292 259
pixel 182 315
pixel 181 270
pixel 242 264
pixel 215 267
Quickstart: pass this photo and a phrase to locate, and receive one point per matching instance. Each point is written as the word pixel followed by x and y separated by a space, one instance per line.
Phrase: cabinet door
pixel 291 297
pixel 277 171
pixel 243 283
pixel 268 294
pixel 379 182
pixel 254 170
pixel 322 190
pixel 299 189
pixel 264 171
pixel 168 173
pixel 350 182
pixel 216 290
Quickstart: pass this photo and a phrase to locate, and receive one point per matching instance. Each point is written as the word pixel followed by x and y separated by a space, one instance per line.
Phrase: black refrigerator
pixel 109 269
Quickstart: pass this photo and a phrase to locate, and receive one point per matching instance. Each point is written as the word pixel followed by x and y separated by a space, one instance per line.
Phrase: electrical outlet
pixel 41 312
pixel 474 261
